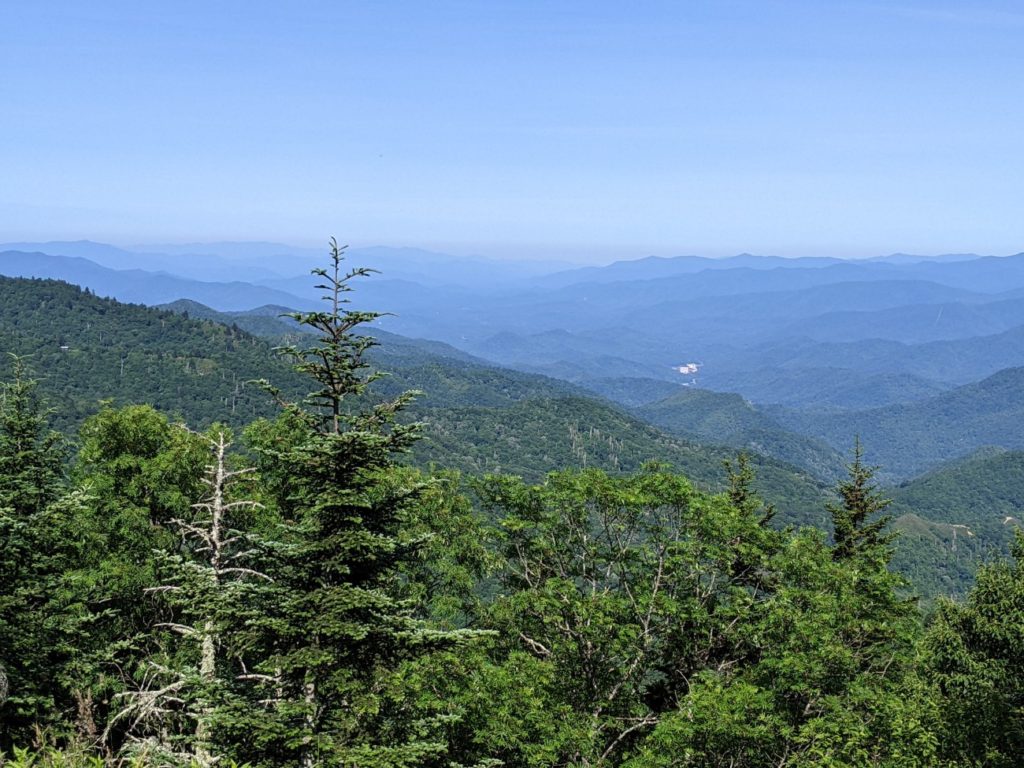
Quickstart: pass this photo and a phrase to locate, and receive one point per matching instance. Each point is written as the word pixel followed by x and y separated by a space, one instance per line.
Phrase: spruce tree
pixel 740 476
pixel 858 527
pixel 878 623
pixel 31 455
pixel 334 629
pixel 32 556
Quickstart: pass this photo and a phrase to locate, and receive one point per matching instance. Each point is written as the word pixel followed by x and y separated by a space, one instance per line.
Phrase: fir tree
pixel 31 455
pixel 33 554
pixel 740 477
pixel 334 627
pixel 857 527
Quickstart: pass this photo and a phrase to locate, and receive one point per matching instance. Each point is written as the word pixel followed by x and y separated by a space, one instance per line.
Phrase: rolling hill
pixel 479 418
pixel 956 517
pixel 703 415
pixel 912 438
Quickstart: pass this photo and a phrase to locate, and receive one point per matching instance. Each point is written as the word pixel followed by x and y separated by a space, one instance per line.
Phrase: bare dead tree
pixel 217 557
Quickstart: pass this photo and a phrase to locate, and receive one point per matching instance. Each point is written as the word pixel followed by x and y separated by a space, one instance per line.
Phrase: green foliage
pixel 89 349
pixel 31 456
pixel 50 757
pixel 334 625
pixel 163 604
pixel 641 622
pixel 976 658
pixel 39 544
pixel 625 589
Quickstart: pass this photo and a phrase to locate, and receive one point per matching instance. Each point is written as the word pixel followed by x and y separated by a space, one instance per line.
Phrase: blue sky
pixel 582 130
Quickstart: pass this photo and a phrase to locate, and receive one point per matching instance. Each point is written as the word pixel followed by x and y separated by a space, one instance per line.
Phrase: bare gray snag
pixel 219 557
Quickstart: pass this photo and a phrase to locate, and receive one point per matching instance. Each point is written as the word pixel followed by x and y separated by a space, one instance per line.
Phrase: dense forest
pixel 197 365
pixel 287 579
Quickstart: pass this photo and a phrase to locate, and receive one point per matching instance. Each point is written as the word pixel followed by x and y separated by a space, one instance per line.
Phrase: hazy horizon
pixel 588 133
pixel 557 260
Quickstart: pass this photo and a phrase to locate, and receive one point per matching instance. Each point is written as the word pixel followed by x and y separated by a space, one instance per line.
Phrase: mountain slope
pixel 631 392
pixel 87 349
pixel 912 438
pixel 914 323
pixel 989 481
pixel 531 436
pixel 703 415
pixel 955 517
pixel 825 388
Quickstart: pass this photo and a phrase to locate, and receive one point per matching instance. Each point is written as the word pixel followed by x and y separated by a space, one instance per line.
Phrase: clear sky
pixel 535 128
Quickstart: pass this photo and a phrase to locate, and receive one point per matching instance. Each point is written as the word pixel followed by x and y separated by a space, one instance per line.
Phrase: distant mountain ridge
pixel 822 348
pixel 279 266
pixel 140 287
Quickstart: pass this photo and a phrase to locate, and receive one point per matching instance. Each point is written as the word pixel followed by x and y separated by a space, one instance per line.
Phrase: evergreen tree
pixel 34 551
pixel 880 619
pixel 31 455
pixel 740 478
pixel 334 628
pixel 857 527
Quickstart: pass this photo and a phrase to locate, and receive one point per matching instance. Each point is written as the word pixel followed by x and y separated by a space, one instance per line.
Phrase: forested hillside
pixel 954 518
pixel 293 594
pixel 729 419
pixel 87 349
pixel 911 438
pixel 478 418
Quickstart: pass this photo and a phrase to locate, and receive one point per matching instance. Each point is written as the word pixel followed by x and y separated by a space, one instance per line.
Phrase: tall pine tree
pixel 334 630
pixel 858 525
pixel 33 553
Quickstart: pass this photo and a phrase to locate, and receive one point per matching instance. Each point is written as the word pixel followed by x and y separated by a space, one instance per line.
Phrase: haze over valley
pixel 817 349
pixel 921 357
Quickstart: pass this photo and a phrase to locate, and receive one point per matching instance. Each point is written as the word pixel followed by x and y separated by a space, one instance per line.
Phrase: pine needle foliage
pixel 337 360
pixel 335 629
pixel 859 527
